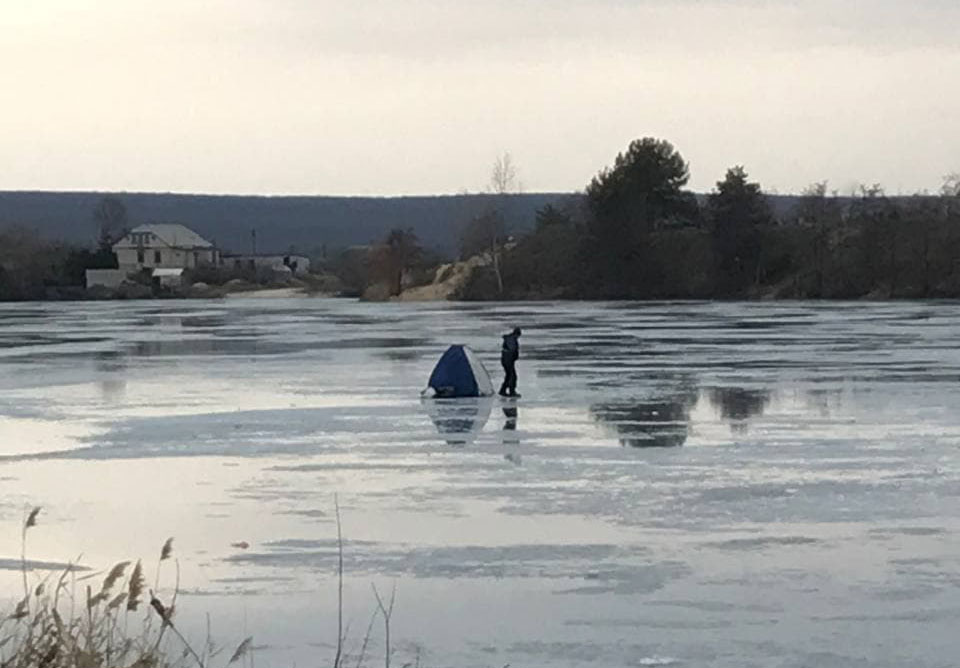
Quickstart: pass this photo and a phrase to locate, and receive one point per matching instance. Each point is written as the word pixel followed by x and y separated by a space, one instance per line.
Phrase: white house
pixel 163 246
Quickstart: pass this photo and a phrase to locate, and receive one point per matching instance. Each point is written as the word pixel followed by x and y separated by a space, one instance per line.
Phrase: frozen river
pixel 734 485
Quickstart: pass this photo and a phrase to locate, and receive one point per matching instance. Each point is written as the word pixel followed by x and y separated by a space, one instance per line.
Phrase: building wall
pixel 149 257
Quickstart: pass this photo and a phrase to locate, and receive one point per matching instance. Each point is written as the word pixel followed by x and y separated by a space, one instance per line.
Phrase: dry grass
pixel 104 626
pixel 81 621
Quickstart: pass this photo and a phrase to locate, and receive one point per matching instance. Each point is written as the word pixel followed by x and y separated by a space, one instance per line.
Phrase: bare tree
pixel 110 214
pixel 820 213
pixel 503 176
pixel 396 256
pixel 490 228
pixel 951 185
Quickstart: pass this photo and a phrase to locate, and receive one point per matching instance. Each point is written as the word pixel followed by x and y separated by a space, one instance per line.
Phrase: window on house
pixel 140 258
pixel 157 257
pixel 196 259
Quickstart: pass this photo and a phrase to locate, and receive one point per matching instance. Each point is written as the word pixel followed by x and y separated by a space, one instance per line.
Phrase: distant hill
pixel 305 223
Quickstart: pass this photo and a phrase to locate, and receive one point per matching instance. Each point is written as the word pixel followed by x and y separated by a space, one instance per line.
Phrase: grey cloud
pixel 527 30
pixel 295 95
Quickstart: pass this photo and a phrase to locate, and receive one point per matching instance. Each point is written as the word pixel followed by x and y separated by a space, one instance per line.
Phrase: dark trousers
pixel 509 377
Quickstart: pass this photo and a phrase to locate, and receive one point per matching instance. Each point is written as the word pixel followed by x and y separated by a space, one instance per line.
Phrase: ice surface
pixel 682 484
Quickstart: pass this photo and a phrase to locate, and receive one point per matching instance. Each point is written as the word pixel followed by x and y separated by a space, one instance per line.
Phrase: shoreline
pixel 302 294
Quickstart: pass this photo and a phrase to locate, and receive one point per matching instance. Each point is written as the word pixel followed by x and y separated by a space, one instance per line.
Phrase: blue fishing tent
pixel 459 374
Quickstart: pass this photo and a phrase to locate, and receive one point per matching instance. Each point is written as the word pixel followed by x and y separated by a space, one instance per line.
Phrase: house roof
pixel 173 234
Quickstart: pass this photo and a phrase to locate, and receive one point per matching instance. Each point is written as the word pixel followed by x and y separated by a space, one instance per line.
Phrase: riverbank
pixel 139 291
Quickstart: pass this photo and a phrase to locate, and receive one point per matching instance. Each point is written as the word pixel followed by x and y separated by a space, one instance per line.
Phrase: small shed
pixel 168 277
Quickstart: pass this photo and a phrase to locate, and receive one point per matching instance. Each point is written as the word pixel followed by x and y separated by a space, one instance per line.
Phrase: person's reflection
pixel 510 435
pixel 510 413
pixel 510 416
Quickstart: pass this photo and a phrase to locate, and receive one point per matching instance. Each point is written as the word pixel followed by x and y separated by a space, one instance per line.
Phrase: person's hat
pixel 517 331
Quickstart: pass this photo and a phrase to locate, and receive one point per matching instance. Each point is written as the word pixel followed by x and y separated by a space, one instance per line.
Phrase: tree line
pixel 35 268
pixel 638 233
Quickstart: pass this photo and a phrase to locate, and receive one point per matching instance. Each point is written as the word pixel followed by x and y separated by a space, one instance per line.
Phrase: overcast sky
pixel 420 96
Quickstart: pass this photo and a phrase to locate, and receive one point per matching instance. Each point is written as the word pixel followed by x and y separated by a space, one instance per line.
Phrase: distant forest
pixel 635 232
pixel 306 225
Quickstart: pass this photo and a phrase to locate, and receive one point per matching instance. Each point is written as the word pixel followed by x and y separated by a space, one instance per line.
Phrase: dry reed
pixel 46 630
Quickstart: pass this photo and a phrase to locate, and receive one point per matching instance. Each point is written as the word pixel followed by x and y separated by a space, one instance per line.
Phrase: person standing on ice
pixel 509 354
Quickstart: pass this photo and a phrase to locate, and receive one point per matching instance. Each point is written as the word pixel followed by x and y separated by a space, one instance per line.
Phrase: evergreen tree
pixel 641 193
pixel 739 214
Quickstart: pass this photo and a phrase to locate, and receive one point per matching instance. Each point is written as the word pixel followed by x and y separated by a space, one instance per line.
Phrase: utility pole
pixel 253 241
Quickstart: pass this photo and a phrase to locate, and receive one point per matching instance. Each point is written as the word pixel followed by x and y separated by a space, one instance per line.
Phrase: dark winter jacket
pixel 511 349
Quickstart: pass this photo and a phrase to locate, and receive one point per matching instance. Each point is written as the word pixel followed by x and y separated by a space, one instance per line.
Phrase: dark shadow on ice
pixel 408 355
pixel 582 351
pixel 19 316
pixel 459 421
pixel 18 340
pixel 824 402
pixel 211 321
pixel 111 369
pixel 738 404
pixel 18 564
pixel 657 423
pixel 256 345
pixel 178 347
